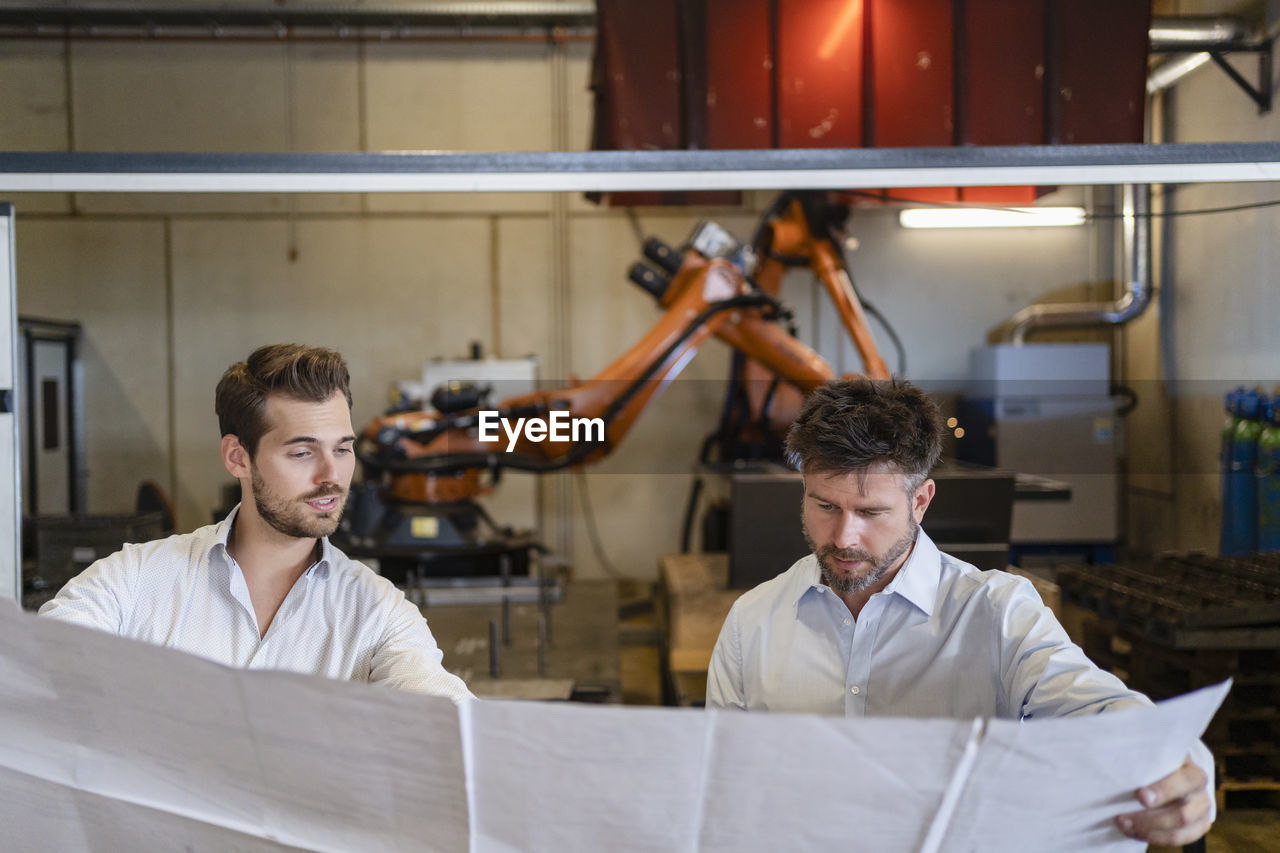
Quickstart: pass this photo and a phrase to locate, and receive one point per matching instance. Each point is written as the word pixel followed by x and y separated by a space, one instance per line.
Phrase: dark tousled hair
pixel 309 374
pixel 853 424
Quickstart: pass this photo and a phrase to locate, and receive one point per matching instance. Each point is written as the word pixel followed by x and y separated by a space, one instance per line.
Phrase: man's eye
pixel 301 454
pixel 826 507
pixel 342 451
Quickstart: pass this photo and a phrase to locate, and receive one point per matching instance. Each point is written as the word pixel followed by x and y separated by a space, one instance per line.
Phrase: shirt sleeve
pixel 101 596
pixel 408 657
pixel 724 675
pixel 1045 674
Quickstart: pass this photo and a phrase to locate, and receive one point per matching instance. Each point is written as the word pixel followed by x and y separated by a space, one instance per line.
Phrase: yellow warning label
pixel 424 527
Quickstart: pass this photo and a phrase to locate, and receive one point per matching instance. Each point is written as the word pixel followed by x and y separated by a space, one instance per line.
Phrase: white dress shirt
pixel 943 639
pixel 340 620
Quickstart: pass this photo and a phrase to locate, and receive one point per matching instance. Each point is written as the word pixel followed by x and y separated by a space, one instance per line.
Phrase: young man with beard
pixel 878 622
pixel 264 589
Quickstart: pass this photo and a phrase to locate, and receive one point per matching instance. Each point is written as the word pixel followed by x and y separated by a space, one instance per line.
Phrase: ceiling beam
pixel 615 171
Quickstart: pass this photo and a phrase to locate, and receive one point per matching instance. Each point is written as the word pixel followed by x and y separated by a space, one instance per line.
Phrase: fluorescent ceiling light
pixel 983 217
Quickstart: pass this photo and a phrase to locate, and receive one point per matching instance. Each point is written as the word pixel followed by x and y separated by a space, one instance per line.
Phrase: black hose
pixel 690 509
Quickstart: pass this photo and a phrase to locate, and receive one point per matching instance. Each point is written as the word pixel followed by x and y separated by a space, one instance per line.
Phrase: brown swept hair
pixel 309 374
pixel 853 424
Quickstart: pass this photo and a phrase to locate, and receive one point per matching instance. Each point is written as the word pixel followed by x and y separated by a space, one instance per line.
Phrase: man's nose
pixel 848 531
pixel 327 469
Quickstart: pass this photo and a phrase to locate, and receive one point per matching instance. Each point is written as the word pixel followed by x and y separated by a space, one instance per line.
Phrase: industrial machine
pixel 1046 409
pixel 423 468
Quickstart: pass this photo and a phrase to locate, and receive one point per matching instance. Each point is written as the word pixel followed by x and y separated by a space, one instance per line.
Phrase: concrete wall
pixel 172 288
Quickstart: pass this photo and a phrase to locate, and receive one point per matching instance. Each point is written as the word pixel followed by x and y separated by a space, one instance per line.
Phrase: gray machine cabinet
pixel 969 518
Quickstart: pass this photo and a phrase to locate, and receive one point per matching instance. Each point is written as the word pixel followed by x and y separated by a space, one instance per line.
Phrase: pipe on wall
pixel 1196 32
pixel 1190 39
pixel 1137 296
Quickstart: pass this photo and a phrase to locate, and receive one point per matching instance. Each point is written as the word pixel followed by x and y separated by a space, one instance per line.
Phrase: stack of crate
pixel 1185 621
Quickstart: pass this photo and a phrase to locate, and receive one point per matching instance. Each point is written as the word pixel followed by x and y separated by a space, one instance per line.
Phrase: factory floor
pixel 1236 831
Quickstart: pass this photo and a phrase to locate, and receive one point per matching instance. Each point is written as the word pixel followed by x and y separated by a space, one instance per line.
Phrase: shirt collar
pixel 320 568
pixel 809 579
pixel 222 534
pixel 917 581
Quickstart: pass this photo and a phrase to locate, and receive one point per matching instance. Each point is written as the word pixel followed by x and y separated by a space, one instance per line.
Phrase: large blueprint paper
pixel 1057 785
pixel 563 778
pixel 801 782
pixel 116 745
pixel 107 744
pixel 568 778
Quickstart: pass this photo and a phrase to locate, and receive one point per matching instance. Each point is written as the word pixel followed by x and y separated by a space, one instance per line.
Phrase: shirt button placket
pixel 864 631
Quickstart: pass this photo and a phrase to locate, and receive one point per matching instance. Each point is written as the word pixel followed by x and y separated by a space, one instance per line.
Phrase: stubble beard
pixel 880 564
pixel 290 518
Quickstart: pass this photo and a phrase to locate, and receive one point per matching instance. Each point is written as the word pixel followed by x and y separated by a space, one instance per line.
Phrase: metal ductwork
pixel 1195 41
pixel 1137 296
pixel 115 18
pixel 109 18
pixel 1199 33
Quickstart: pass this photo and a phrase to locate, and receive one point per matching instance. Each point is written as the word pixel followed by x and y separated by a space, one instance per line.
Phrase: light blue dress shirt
pixel 943 639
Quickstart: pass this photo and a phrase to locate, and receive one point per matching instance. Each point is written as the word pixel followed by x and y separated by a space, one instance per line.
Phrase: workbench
pixel 579 657
pixel 693 602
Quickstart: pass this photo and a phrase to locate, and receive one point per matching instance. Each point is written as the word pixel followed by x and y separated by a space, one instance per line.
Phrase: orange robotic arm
pixel 439 456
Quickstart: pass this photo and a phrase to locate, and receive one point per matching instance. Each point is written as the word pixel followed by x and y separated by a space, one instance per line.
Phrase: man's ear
pixel 235 458
pixel 920 500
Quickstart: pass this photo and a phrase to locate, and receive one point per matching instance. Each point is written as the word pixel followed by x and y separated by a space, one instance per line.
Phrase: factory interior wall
pixel 171 289
pixel 1213 323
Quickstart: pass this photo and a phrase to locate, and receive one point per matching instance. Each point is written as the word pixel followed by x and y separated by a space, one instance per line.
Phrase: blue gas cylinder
pixel 1231 404
pixel 1268 472
pixel 1240 495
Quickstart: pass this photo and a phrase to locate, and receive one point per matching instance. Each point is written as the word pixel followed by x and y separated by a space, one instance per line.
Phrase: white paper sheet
pixel 1058 784
pixel 582 778
pixel 108 744
pixel 800 782
pixel 164 738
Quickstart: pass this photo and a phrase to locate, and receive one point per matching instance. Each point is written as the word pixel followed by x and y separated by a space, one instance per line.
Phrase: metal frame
pixel 1261 94
pixel 616 171
pixel 10 512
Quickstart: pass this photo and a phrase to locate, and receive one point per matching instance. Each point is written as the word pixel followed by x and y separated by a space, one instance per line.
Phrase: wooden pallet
pixel 1244 735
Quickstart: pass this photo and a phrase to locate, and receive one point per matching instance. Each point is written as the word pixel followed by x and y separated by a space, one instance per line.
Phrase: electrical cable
pixel 636 228
pixel 690 510
pixel 893 336
pixel 1203 211
pixel 594 535
pixel 1131 399
pixel 834 237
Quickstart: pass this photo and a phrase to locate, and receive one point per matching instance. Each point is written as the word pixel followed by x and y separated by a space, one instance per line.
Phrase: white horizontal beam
pixel 620 171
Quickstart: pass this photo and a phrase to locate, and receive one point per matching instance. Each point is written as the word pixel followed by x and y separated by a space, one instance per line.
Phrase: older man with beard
pixel 264 589
pixel 878 622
